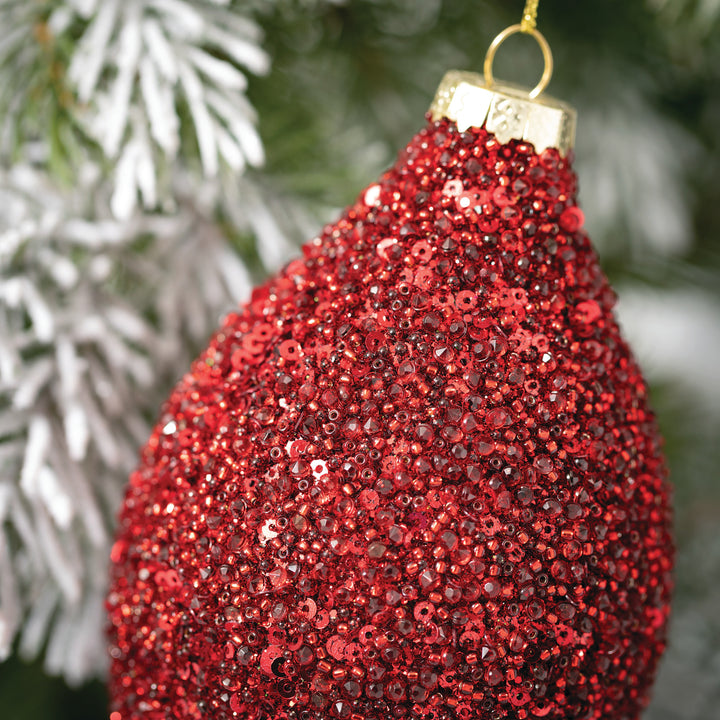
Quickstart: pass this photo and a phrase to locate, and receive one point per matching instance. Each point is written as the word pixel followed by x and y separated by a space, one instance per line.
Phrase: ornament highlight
pixel 415 476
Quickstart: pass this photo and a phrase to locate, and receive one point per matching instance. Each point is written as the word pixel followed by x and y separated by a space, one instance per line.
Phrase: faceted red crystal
pixel 416 476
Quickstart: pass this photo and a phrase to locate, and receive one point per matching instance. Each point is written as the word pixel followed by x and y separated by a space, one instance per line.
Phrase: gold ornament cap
pixel 506 110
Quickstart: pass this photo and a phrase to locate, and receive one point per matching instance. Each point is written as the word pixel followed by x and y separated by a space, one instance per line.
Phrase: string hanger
pixel 529 19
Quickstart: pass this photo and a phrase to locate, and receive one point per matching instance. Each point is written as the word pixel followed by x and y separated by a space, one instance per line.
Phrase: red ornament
pixel 416 476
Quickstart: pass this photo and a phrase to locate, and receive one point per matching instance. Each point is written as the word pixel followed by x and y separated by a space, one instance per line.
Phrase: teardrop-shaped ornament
pixel 416 475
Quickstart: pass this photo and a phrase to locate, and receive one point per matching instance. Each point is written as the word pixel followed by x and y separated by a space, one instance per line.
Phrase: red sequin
pixel 416 476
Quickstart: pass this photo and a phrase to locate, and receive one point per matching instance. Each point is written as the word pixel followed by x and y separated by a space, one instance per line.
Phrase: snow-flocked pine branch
pixel 142 68
pixel 109 281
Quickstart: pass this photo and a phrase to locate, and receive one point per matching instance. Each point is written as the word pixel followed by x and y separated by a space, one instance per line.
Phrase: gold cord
pixel 529 19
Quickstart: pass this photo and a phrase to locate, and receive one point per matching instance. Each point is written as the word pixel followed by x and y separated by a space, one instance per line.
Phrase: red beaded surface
pixel 416 476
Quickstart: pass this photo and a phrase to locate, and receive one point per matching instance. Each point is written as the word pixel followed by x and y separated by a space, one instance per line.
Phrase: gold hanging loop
pixel 527 26
pixel 507 111
pixel 544 47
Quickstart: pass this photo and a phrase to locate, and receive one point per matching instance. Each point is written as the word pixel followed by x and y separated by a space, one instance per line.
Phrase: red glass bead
pixel 416 476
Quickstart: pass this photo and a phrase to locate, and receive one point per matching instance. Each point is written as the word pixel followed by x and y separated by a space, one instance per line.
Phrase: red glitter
pixel 416 476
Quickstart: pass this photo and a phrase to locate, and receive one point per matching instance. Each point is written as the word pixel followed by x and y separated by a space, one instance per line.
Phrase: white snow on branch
pixel 632 166
pixel 81 370
pixel 142 68
pixel 676 337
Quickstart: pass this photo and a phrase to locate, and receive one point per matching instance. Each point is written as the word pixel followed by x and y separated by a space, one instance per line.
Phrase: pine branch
pixel 146 69
pixel 633 182
pixel 81 371
pixel 57 452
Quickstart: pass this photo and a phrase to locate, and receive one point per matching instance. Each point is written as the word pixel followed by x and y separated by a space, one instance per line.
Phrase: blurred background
pixel 158 157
